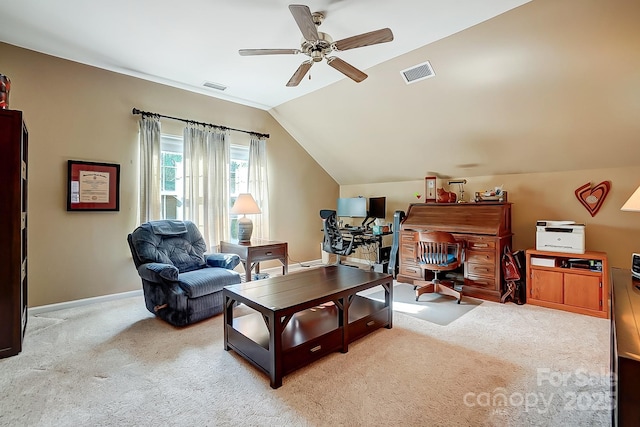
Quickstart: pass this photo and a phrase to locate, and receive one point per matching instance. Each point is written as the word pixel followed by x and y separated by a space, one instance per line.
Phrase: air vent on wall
pixel 212 85
pixel 417 73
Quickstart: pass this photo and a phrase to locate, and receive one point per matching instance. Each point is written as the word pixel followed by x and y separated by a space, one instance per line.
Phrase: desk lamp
pixel 460 183
pixel 245 204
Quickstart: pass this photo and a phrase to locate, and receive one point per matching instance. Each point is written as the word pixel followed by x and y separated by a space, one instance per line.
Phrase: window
pixel 239 176
pixel 172 184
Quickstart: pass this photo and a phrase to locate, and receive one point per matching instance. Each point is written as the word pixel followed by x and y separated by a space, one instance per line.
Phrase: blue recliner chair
pixel 181 283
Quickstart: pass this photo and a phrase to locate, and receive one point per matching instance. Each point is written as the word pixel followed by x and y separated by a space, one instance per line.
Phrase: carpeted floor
pixel 114 364
pixel 435 308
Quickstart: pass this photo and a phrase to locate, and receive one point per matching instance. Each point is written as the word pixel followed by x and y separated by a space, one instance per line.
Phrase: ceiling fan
pixel 318 45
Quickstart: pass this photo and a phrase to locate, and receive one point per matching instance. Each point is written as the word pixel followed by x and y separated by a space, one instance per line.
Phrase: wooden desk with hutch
pixel 485 229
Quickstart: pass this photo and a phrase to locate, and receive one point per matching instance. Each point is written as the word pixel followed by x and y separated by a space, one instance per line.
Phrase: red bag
pixel 509 266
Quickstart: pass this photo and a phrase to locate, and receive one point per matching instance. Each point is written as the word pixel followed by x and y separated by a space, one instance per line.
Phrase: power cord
pixel 301 264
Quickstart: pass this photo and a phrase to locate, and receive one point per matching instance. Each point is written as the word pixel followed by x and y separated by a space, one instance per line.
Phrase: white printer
pixel 560 236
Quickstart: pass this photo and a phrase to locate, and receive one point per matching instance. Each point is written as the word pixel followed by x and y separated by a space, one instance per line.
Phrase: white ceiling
pixel 187 43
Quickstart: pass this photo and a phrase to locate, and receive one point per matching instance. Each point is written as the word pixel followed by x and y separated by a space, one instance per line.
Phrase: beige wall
pixel 79 112
pixel 547 196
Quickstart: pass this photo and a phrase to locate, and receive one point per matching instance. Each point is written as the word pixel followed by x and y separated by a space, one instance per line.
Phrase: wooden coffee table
pixel 303 316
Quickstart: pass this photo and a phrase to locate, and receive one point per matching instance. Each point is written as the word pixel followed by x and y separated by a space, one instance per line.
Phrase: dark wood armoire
pixel 13 231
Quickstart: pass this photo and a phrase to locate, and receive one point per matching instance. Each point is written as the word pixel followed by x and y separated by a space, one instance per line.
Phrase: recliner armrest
pixel 158 272
pixel 228 261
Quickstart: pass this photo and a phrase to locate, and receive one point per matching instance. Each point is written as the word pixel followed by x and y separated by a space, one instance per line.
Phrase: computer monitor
pixel 353 207
pixel 377 207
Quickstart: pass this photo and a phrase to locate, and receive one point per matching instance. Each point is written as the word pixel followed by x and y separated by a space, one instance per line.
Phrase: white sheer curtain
pixel 258 185
pixel 206 182
pixel 150 202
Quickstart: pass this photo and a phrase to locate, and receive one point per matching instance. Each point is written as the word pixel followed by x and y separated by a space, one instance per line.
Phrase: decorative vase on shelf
pixel 5 87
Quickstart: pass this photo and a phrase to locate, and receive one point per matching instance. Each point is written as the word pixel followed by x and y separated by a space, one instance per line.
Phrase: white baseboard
pixel 86 301
pixel 81 302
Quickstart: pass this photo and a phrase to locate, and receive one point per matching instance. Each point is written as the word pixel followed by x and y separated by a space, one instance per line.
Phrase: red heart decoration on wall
pixel 592 198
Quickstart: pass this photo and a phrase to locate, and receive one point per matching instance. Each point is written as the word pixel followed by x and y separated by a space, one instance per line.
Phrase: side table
pixel 257 250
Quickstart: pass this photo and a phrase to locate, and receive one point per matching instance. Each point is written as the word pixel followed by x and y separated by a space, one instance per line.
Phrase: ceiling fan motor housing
pixel 319 48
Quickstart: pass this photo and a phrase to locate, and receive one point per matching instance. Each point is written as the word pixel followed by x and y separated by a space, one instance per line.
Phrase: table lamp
pixel 633 204
pixel 245 204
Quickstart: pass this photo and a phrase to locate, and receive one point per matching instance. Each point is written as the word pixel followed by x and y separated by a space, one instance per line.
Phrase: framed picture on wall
pixel 430 189
pixel 93 186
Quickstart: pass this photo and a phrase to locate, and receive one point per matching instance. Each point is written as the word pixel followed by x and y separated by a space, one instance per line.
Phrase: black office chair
pixel 334 242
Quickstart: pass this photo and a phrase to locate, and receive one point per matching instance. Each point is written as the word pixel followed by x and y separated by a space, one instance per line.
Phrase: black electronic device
pixel 377 207
pixel 635 265
pixel 383 254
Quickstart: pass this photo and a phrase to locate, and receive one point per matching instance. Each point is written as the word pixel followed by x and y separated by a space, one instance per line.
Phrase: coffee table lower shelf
pixel 309 335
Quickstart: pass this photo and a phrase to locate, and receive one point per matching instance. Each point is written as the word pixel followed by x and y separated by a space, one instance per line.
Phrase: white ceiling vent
pixel 417 73
pixel 212 85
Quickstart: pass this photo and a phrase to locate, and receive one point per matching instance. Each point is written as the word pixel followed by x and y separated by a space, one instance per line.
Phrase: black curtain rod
pixel 146 113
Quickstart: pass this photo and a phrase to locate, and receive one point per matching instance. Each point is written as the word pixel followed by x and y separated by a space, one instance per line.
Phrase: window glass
pixel 239 176
pixel 172 184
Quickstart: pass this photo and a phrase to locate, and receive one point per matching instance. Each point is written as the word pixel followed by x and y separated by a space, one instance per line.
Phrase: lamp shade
pixel 245 204
pixel 633 204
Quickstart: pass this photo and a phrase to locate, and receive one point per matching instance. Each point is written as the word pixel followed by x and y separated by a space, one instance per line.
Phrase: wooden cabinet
pixel 483 228
pixel 553 283
pixel 546 286
pixel 13 232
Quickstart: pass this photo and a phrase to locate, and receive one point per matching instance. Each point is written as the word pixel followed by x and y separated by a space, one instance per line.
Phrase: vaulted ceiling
pixel 519 87
pixel 549 86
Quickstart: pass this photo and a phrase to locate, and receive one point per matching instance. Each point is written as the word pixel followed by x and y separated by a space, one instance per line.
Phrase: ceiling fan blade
pixel 304 19
pixel 346 69
pixel 299 74
pixel 366 39
pixel 249 52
